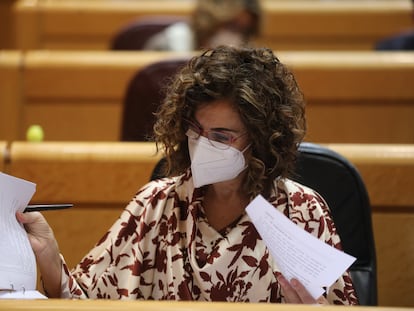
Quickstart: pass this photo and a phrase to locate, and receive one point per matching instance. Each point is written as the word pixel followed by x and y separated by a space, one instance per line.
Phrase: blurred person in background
pixel 403 41
pixel 212 23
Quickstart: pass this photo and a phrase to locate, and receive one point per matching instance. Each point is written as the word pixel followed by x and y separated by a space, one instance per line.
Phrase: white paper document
pixel 296 252
pixel 17 260
pixel 27 294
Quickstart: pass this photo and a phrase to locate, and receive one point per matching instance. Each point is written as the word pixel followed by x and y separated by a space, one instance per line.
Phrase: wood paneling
pixel 352 97
pixel 287 25
pixel 11 99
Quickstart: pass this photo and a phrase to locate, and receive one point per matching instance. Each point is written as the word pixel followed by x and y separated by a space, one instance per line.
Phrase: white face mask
pixel 210 164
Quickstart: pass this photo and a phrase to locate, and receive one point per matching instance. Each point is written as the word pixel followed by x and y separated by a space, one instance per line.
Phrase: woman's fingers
pixel 322 301
pixel 46 249
pixel 295 292
pixel 302 292
pixel 28 218
pixel 288 292
pixel 39 232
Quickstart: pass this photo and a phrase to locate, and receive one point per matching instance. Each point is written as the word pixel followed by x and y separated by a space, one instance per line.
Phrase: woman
pixel 229 127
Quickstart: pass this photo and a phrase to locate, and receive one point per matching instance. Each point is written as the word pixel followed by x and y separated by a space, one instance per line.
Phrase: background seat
pixel 403 41
pixel 144 93
pixel 134 35
pixel 341 185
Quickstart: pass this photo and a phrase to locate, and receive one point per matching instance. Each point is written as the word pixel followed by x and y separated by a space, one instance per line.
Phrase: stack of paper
pixel 17 261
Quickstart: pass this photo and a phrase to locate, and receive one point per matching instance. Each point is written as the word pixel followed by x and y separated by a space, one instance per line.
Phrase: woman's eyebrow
pixel 224 129
pixel 219 129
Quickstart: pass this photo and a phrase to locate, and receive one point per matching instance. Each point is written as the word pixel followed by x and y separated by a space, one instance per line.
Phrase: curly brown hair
pixel 264 92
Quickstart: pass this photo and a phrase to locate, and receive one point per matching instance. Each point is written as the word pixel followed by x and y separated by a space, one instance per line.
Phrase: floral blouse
pixel 162 247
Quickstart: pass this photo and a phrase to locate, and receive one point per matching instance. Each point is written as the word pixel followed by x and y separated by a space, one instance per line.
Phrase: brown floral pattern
pixel 162 247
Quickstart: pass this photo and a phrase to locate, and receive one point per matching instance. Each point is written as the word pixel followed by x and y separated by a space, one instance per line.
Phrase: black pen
pixel 46 207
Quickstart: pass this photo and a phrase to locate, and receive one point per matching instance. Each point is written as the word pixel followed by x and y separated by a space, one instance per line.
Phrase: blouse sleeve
pixel 101 272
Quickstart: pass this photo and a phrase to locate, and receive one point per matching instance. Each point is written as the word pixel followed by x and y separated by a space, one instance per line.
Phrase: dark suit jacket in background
pixel 401 41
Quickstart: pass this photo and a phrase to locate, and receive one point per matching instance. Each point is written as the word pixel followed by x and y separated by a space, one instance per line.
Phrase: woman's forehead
pixel 219 113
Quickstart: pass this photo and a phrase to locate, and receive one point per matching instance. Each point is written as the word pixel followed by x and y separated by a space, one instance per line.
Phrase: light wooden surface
pixel 115 305
pixel 91 173
pixel 352 97
pixel 387 170
pixel 287 25
pixel 101 178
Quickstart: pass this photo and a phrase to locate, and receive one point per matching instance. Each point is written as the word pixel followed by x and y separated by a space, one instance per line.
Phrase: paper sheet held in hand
pixel 17 261
pixel 296 252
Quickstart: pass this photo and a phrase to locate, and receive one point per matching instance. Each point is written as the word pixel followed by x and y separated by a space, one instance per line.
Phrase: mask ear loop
pixel 247 147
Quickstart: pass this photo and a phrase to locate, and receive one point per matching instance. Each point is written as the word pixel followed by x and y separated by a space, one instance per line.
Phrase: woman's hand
pixel 39 232
pixel 45 248
pixel 295 292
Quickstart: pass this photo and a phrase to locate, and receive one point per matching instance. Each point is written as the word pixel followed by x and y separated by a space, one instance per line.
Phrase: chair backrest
pixel 134 35
pixel 144 93
pixel 341 185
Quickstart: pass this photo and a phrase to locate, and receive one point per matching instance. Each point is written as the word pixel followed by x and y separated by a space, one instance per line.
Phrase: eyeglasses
pixel 217 138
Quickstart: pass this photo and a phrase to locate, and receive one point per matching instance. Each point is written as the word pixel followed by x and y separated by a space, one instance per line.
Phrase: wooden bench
pixel 388 172
pixel 287 25
pixel 3 155
pixel 73 95
pixel 7 34
pixel 101 178
pixel 11 97
pixel 352 97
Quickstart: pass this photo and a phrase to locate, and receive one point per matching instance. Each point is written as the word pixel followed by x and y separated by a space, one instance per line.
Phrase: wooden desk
pixel 115 305
pixel 7 34
pixel 3 155
pixel 388 173
pixel 101 178
pixel 10 94
pixel 78 95
pixel 71 171
pixel 387 170
pixel 287 25
pixel 352 97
